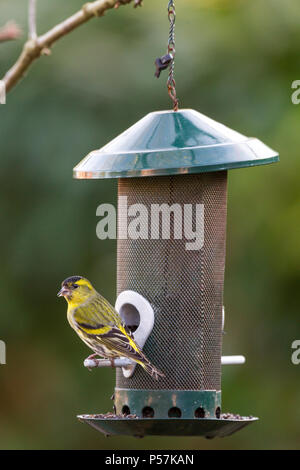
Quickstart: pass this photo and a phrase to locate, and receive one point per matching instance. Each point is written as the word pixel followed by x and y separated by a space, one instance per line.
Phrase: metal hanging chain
pixel 167 61
pixel 171 51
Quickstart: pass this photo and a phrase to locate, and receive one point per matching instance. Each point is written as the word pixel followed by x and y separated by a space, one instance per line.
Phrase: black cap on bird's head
pixel 71 280
pixel 68 286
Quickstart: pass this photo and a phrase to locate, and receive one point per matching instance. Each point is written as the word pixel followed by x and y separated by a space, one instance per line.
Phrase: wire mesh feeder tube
pixel 185 288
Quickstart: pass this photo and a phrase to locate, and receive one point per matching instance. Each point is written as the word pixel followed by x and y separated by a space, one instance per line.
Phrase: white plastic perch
pixel 123 362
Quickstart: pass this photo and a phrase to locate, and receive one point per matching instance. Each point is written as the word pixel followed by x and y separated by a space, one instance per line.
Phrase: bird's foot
pixel 112 362
pixel 92 356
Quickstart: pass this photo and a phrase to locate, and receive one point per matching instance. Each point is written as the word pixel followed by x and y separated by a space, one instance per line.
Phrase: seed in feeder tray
pixel 109 416
pixel 234 416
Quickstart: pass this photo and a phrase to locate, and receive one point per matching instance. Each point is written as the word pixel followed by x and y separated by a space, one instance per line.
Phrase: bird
pixel 100 326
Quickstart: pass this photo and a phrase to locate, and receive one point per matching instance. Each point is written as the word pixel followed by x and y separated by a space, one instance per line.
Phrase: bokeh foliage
pixel 236 61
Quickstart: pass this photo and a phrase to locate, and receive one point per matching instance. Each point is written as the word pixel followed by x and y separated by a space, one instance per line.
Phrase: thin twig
pixel 32 19
pixel 41 45
pixel 10 31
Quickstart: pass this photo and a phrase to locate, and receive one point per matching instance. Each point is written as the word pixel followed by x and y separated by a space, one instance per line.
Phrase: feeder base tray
pixel 139 427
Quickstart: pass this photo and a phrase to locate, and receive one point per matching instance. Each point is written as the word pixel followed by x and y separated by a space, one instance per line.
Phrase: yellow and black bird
pixel 99 325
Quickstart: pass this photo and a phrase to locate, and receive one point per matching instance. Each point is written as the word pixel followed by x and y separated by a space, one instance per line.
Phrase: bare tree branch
pixel 41 45
pixel 32 19
pixel 10 31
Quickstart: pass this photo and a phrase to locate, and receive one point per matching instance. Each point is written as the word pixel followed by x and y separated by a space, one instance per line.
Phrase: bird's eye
pixel 75 286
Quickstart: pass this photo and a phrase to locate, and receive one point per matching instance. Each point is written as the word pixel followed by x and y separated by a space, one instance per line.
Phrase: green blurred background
pixel 236 61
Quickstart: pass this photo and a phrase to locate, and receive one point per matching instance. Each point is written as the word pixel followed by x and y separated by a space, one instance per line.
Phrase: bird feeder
pixel 173 295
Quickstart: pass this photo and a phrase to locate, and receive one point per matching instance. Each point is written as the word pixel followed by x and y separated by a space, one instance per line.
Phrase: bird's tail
pixel 138 356
pixel 150 369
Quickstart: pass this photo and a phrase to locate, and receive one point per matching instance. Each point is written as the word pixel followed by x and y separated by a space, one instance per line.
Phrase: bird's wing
pixel 96 314
pixel 99 320
pixel 121 341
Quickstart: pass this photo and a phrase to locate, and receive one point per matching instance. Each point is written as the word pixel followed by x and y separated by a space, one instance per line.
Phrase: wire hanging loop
pixel 171 51
pixel 167 61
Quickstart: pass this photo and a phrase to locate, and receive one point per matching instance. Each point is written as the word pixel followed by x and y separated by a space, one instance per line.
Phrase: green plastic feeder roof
pixel 169 143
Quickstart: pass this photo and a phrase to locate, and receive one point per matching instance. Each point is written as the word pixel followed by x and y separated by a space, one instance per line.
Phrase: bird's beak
pixel 64 292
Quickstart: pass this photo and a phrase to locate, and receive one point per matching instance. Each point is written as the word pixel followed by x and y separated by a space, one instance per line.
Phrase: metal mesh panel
pixel 184 287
